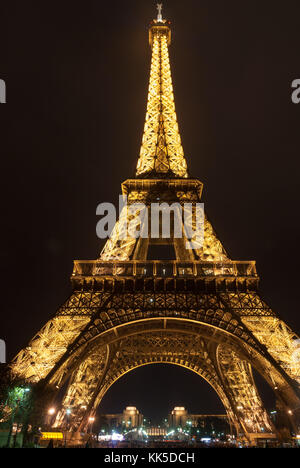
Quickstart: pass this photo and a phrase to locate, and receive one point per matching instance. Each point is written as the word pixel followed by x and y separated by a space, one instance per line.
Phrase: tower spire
pixel 159 15
pixel 161 152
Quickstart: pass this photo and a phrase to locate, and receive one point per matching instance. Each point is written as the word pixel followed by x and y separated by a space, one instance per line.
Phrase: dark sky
pixel 77 78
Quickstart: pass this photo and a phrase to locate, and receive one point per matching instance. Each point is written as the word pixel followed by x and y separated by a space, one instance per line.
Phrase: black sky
pixel 77 78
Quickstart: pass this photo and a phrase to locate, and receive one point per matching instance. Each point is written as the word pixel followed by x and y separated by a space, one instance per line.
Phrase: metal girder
pixel 282 343
pixel 238 379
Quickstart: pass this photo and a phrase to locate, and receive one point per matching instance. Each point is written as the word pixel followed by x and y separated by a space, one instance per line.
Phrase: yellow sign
pixel 52 435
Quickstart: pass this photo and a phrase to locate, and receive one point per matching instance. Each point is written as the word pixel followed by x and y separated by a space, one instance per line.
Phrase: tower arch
pixel 199 348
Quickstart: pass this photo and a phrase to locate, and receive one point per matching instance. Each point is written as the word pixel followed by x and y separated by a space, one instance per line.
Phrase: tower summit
pixel 159 15
pixel 161 152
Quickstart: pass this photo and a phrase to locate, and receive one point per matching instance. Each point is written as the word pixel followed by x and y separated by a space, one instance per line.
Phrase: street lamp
pixel 68 414
pixel 91 421
pixel 51 413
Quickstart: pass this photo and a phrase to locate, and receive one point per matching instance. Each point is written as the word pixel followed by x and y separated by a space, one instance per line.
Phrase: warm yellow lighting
pixel 161 150
pixel 51 411
pixel 205 305
pixel 52 435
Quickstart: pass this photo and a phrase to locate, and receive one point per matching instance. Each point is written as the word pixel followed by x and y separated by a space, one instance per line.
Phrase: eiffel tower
pixel 201 311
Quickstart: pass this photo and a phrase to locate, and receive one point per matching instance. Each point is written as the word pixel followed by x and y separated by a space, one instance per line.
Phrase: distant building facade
pixel 179 417
pixel 129 419
pixel 156 431
pixel 205 423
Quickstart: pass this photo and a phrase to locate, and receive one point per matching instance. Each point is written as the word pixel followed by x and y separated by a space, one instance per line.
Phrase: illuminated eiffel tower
pixel 201 310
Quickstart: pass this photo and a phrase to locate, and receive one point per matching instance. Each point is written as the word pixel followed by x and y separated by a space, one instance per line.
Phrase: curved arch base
pixel 218 363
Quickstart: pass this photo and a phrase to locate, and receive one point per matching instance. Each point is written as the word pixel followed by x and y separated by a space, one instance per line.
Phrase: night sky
pixel 77 78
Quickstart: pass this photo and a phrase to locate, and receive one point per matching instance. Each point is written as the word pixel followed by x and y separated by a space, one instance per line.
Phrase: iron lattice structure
pixel 201 311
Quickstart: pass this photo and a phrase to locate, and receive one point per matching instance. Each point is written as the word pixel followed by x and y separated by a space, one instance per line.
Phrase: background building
pixel 202 424
pixel 178 417
pixel 130 418
pixel 156 432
